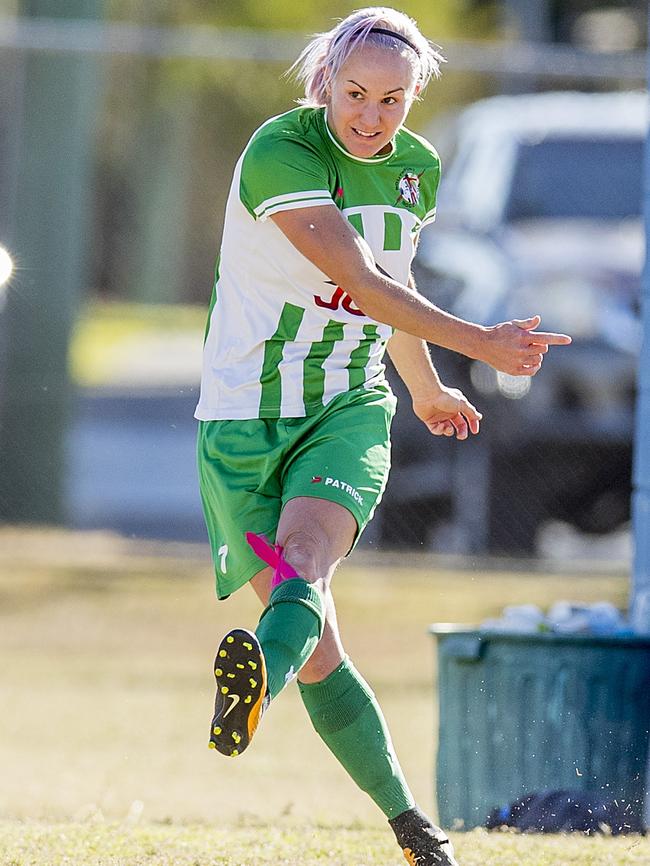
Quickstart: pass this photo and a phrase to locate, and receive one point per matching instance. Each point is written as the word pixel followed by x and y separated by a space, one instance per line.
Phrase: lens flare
pixel 6 266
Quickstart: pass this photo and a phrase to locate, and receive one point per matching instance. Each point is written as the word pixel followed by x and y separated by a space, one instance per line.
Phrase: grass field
pixel 298 844
pixel 106 689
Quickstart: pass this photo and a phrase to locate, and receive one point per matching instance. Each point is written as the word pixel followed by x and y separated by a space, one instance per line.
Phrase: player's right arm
pixel 329 241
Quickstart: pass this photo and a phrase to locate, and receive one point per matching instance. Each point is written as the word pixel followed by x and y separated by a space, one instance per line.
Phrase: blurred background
pixel 120 124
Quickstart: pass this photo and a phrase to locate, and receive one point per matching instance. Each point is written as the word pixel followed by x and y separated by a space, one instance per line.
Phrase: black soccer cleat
pixel 240 672
pixel 422 843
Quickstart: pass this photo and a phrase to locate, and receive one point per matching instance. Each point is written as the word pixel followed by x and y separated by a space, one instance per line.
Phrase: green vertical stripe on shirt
pixel 392 231
pixel 356 220
pixel 360 356
pixel 313 373
pixel 270 380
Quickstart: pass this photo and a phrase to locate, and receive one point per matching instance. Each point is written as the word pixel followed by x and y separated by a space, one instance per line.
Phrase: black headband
pixel 396 36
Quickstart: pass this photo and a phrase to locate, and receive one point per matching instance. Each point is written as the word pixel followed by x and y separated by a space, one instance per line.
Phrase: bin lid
pixel 442 629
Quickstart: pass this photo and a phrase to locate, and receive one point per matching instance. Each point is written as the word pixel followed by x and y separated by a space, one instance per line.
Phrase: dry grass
pixel 106 689
pixel 107 649
pixel 297 844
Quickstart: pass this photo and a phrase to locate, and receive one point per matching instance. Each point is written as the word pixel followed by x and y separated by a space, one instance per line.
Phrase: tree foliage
pixel 439 19
pixel 221 102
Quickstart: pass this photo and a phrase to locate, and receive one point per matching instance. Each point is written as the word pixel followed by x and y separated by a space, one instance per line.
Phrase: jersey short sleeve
pixel 430 182
pixel 282 172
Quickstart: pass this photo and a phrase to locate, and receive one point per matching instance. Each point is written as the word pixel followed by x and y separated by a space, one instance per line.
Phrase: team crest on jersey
pixel 409 188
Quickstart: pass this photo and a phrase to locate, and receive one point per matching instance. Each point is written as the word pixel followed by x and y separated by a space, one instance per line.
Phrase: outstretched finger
pixel 550 339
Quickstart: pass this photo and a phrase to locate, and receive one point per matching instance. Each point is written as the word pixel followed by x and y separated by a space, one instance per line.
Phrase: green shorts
pixel 248 470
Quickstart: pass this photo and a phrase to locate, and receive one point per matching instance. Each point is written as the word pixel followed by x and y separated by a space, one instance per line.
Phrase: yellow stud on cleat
pixel 248 699
pixel 222 654
pixel 253 683
pixel 236 737
pixel 218 672
pixel 234 753
pixel 253 665
pixel 216 731
pixel 249 646
pixel 230 676
pixel 211 746
pixel 230 639
pixel 241 667
pixel 224 690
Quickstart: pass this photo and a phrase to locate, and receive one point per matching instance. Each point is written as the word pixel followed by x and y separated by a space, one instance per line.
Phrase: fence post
pixel 47 234
pixel 640 600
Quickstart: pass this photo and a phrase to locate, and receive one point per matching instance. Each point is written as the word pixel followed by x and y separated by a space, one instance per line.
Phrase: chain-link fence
pixel 168 111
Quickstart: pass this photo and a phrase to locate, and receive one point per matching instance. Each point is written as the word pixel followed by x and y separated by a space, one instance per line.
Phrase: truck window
pixel 577 179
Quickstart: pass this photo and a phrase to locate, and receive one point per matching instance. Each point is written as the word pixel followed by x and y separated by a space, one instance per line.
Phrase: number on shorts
pixel 223 553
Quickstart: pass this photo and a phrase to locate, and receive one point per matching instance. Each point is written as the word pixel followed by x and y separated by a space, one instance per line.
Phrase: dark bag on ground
pixel 564 811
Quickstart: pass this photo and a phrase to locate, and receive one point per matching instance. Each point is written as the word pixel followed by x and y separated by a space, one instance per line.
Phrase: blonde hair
pixel 319 63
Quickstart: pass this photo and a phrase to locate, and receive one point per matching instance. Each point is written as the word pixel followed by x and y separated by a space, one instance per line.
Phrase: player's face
pixel 370 98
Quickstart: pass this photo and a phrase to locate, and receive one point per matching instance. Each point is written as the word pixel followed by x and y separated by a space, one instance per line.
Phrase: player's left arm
pixel 445 411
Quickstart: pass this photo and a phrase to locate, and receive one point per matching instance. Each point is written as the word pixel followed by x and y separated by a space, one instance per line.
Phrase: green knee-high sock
pixel 345 713
pixel 289 629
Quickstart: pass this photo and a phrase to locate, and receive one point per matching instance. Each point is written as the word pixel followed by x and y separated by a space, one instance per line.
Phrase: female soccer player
pixel 313 284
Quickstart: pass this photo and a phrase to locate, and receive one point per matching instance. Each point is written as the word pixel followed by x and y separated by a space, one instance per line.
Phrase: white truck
pixel 539 212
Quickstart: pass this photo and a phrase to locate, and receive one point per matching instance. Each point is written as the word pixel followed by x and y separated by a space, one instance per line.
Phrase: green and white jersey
pixel 282 339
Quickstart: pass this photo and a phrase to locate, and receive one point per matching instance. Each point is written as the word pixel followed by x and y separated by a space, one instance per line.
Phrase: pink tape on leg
pixel 262 548
pixel 271 555
pixel 283 570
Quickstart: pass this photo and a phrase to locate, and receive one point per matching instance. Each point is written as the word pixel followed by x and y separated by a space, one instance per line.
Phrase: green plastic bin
pixel 534 712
